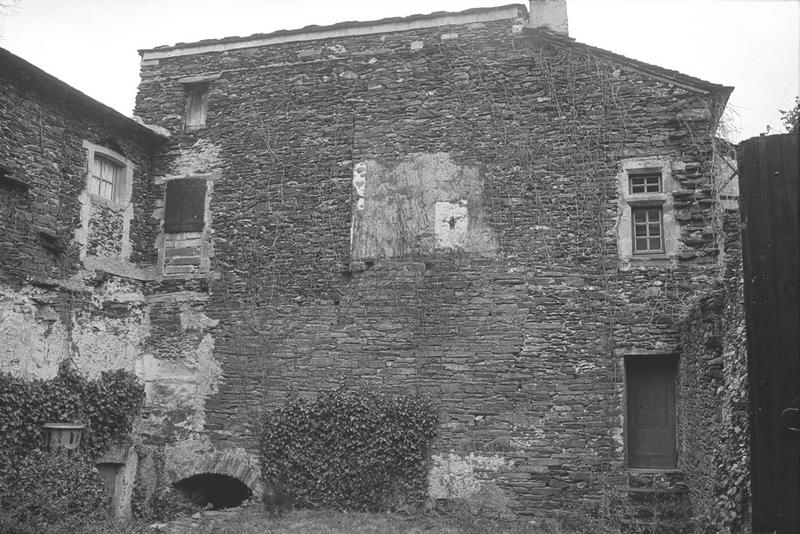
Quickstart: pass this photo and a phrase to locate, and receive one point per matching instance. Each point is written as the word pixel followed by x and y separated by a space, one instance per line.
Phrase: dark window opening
pixel 220 491
pixel 108 473
pixel 650 383
pixel 9 180
pixel 185 206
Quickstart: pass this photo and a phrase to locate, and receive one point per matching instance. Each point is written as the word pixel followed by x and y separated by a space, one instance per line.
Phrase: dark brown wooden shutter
pixel 651 411
pixel 185 206
pixel 769 170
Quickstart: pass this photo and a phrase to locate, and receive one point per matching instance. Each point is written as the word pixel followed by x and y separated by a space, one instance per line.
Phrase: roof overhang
pixel 343 29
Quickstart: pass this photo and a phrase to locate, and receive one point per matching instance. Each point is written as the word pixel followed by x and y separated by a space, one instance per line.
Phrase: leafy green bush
pixel 106 406
pixel 349 449
pixel 44 488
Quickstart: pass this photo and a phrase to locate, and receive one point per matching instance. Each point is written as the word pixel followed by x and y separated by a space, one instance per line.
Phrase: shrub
pixel 106 406
pixel 349 449
pixel 39 489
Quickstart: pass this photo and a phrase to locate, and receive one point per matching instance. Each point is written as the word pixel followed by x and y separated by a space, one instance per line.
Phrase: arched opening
pixel 220 491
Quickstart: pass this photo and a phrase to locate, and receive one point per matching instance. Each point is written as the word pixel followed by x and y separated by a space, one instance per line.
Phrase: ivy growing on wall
pixel 349 449
pixel 107 406
pixel 42 489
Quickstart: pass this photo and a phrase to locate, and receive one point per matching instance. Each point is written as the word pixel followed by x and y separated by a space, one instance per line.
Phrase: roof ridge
pixel 647 68
pixel 315 28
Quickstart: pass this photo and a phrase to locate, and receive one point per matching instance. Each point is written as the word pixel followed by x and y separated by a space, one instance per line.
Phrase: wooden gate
pixel 769 170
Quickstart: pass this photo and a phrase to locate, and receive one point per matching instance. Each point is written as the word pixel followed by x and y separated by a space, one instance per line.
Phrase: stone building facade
pixel 472 206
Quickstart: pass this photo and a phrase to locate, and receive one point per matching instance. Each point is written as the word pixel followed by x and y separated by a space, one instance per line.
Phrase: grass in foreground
pixel 255 520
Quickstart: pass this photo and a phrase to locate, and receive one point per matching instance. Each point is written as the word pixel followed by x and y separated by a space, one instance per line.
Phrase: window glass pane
pixel 647 230
pixel 645 183
pixel 105 175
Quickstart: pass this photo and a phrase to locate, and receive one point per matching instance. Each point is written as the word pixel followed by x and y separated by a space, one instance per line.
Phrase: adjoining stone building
pixel 469 205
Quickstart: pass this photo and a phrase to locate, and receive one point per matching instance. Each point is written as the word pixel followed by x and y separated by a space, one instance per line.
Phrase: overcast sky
pixel 753 45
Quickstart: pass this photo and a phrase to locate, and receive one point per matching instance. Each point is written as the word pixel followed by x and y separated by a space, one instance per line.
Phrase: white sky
pixel 753 45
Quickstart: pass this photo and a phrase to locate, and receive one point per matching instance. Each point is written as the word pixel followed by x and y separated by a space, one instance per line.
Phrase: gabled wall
pixel 345 251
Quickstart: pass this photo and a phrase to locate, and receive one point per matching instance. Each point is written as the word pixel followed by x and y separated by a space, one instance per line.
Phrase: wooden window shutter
pixel 185 206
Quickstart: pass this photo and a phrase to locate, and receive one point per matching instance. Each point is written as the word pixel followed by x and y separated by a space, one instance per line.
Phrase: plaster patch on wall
pixel 29 347
pixel 398 216
pixel 106 344
pixel 359 182
pixel 194 320
pixel 453 476
pixel 180 388
pixel 451 224
pixel 201 158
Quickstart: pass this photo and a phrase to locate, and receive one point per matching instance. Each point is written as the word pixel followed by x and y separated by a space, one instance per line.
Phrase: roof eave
pixel 654 71
pixel 48 82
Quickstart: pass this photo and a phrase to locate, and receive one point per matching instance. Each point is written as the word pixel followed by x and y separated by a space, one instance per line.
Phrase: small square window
pixel 645 183
pixel 648 230
pixel 106 178
pixel 196 104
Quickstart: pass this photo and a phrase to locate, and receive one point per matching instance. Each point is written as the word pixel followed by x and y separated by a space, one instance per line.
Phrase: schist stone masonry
pixel 471 205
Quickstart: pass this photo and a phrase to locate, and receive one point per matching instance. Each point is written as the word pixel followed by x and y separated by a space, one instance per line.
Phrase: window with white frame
pixel 110 174
pixel 106 177
pixel 644 182
pixel 647 227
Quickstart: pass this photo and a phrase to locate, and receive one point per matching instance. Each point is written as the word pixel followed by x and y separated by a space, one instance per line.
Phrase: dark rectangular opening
pixel 650 385
pixel 185 206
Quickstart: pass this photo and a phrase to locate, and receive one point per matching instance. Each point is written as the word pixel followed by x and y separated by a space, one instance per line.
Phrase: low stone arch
pixel 197 457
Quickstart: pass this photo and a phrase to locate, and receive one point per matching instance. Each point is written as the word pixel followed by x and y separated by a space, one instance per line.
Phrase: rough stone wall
pixel 714 411
pixel 519 340
pixel 53 305
pixel 43 132
pixel 91 297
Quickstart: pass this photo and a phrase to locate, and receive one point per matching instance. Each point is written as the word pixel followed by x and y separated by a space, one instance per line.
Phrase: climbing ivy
pixel 107 406
pixel 349 449
pixel 41 489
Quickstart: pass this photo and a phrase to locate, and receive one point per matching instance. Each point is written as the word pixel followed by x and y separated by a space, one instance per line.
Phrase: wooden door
pixel 769 170
pixel 650 385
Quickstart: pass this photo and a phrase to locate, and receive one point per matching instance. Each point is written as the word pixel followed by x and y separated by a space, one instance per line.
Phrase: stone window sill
pixel 102 201
pixel 653 471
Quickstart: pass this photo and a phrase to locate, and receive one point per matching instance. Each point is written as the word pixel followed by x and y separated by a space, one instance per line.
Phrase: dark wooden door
pixel 651 411
pixel 769 170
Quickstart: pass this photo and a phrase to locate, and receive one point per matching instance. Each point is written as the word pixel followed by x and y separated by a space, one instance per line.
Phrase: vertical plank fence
pixel 769 170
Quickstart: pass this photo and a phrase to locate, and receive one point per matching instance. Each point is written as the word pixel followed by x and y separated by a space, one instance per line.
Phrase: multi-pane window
pixel 645 183
pixel 105 178
pixel 648 230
